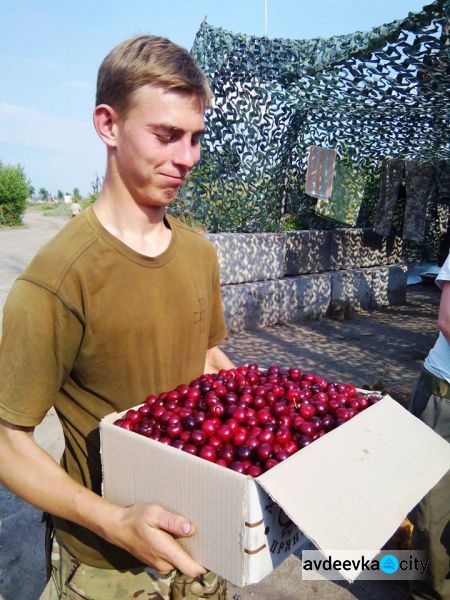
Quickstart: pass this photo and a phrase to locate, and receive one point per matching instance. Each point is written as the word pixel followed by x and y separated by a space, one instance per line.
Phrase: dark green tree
pixel 43 193
pixel 14 191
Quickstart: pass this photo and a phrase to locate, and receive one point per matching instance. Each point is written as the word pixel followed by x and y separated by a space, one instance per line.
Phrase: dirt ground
pixel 382 349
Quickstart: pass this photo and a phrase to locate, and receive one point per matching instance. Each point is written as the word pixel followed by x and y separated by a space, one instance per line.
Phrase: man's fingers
pixel 162 567
pixel 166 526
pixel 174 555
pixel 174 524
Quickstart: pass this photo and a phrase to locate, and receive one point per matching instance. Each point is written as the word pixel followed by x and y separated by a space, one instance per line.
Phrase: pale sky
pixel 50 51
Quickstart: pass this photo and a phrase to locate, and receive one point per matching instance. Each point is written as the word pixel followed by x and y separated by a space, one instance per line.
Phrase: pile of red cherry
pixel 247 419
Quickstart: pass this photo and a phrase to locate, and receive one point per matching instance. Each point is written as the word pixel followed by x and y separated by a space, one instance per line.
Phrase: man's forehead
pixel 157 94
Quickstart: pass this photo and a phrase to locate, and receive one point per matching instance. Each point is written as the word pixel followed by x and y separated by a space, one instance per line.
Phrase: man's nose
pixel 187 154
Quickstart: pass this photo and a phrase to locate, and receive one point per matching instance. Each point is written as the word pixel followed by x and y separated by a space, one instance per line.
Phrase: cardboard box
pixel 350 489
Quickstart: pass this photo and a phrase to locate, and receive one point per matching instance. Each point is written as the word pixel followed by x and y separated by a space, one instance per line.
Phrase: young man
pixel 431 403
pixel 123 302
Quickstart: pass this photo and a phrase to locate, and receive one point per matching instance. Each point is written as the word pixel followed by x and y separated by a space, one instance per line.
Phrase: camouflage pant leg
pixel 421 190
pixel 442 170
pixel 72 580
pixel 431 517
pixel 390 181
pixel 209 586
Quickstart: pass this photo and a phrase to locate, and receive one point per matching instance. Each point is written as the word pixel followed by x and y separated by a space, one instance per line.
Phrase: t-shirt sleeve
pixel 444 273
pixel 218 329
pixel 39 344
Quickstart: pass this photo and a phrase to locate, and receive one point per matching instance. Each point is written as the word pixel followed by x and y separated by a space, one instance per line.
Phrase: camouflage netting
pixel 369 95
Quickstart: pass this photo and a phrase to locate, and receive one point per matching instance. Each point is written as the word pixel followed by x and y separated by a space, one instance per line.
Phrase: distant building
pixel 67 199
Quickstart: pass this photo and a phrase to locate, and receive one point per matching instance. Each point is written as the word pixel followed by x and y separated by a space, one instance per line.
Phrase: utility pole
pixel 265 17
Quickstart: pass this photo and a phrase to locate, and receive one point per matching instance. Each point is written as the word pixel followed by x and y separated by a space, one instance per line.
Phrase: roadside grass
pixel 55 209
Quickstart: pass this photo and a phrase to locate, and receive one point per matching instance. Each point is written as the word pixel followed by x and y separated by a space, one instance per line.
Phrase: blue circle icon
pixel 389 564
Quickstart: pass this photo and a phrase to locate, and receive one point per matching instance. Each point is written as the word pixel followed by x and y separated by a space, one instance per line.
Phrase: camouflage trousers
pixel 72 580
pixel 431 517
pixel 421 190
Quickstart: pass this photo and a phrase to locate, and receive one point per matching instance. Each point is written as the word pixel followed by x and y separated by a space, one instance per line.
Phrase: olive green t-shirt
pixel 92 327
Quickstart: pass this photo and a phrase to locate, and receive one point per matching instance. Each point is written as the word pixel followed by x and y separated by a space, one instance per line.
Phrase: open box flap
pixel 352 488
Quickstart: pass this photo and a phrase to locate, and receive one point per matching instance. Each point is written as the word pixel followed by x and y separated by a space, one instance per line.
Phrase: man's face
pixel 158 143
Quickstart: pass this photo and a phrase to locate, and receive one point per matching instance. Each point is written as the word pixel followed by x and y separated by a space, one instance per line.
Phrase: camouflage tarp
pixel 370 95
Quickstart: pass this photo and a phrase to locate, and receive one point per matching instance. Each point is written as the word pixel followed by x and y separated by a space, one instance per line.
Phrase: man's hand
pixel 147 531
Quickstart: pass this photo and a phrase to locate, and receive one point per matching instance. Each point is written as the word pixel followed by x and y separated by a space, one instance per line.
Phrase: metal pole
pixel 265 17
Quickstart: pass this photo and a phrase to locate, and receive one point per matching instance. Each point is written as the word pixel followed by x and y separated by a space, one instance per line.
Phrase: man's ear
pixel 105 122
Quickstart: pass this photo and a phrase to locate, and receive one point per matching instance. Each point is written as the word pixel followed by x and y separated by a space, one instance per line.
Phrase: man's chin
pixel 163 198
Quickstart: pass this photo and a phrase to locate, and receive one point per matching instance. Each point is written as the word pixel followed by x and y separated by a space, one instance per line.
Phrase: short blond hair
pixel 145 60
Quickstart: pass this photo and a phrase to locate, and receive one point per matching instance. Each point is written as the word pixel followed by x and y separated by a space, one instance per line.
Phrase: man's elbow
pixel 444 328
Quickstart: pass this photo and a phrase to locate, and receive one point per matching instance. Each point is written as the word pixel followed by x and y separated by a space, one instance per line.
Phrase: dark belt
pixel 434 385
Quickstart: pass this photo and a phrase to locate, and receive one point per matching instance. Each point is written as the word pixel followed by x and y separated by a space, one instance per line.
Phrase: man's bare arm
pixel 216 359
pixel 443 322
pixel 145 530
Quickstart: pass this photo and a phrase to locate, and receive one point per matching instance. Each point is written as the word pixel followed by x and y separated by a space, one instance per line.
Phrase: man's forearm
pixel 443 322
pixel 144 530
pixel 216 360
pixel 32 474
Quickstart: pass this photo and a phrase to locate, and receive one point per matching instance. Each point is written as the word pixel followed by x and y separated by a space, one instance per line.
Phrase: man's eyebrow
pixel 173 129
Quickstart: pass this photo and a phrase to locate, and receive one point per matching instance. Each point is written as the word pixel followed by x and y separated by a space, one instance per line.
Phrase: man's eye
pixel 165 139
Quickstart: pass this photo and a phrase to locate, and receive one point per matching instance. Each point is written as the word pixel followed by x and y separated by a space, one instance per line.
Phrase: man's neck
pixel 141 228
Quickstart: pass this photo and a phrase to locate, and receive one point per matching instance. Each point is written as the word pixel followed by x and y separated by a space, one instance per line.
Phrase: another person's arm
pixel 144 530
pixel 443 322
